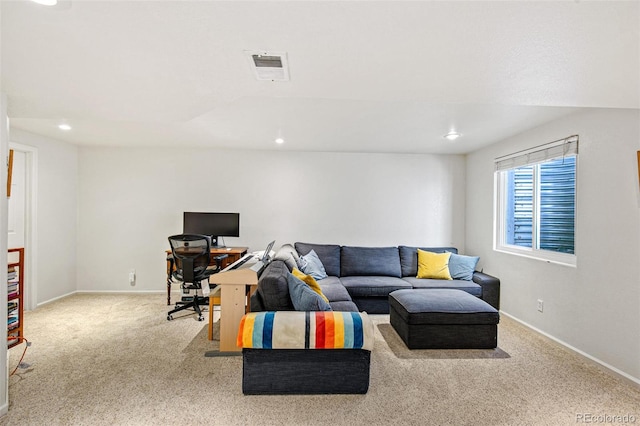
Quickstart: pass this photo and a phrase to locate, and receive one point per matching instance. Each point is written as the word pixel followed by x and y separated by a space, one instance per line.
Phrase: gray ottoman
pixel 443 319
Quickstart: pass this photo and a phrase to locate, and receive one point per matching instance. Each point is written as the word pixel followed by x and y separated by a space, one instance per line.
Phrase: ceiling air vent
pixel 269 66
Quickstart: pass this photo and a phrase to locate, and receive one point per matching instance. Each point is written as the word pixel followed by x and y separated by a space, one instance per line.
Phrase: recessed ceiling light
pixel 452 136
pixel 279 141
pixel 64 127
pixel 46 2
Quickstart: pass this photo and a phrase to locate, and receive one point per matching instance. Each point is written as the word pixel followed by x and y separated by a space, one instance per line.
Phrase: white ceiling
pixel 386 76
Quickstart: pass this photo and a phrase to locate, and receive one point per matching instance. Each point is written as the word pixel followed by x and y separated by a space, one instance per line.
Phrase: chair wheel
pixel 200 318
pixel 169 317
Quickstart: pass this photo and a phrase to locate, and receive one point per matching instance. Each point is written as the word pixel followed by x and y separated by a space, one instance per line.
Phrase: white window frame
pixel 534 156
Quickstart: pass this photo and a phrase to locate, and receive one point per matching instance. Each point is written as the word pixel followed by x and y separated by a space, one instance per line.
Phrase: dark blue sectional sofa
pixel 361 278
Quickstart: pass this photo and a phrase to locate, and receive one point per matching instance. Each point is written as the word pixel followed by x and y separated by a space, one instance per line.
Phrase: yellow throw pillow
pixel 433 265
pixel 310 281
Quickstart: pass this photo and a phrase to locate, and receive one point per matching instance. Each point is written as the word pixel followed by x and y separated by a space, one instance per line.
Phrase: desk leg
pixel 169 272
pixel 211 318
pixel 232 305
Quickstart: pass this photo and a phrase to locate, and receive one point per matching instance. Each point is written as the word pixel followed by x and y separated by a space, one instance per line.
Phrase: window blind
pixel 538 154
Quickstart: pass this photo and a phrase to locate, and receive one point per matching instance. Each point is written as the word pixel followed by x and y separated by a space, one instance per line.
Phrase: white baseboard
pixel 103 292
pixel 122 291
pixel 55 298
pixel 603 365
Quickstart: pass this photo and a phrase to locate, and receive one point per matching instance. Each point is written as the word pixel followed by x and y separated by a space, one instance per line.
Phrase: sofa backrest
pixel 329 255
pixel 380 261
pixel 343 261
pixel 409 257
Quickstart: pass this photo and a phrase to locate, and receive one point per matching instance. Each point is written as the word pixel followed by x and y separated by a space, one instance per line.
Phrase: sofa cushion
pixel 273 287
pixel 363 286
pixel 344 306
pixel 380 261
pixel 433 265
pixel 334 290
pixel 462 267
pixel 311 264
pixel 409 257
pixel 303 297
pixel 329 255
pixel 468 286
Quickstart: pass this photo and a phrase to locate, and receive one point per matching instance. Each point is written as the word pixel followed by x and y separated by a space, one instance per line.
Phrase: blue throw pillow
pixel 312 265
pixel 462 267
pixel 303 297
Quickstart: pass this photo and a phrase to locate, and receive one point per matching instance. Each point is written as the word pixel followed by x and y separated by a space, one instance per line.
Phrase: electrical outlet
pixel 540 305
pixel 132 277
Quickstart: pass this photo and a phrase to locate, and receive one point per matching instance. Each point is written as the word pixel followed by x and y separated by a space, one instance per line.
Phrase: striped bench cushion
pixel 306 330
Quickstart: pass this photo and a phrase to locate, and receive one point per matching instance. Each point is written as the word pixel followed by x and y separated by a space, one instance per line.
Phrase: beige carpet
pixel 116 360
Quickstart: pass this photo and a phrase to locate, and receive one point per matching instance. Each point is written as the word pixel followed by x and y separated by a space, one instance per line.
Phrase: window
pixel 536 202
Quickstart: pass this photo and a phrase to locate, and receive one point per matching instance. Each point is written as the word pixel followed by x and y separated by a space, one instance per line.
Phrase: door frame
pixel 30 223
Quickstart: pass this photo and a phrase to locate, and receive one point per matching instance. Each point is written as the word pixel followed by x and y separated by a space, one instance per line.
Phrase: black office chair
pixel 191 256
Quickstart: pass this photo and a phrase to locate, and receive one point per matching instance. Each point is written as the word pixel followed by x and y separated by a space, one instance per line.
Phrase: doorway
pixel 22 209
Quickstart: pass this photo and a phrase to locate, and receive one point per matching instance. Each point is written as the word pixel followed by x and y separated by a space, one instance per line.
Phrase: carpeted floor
pixel 116 360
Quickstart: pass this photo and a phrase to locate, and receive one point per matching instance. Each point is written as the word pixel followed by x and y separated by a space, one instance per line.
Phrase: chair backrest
pixel 191 253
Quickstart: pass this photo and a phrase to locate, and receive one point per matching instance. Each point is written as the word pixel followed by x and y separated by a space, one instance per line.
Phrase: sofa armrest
pixel 490 288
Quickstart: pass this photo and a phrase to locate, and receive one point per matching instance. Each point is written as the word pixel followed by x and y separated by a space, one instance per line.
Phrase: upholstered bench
pixel 293 352
pixel 443 319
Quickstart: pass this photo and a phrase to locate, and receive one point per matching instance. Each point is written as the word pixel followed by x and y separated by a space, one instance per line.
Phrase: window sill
pixel 548 257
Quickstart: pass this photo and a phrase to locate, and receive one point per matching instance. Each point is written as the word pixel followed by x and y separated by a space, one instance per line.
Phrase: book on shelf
pixel 14 297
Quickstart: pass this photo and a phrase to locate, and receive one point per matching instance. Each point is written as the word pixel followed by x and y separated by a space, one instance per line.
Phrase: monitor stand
pixel 214 242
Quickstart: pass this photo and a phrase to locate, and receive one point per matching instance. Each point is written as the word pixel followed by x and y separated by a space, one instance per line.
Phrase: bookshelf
pixel 15 297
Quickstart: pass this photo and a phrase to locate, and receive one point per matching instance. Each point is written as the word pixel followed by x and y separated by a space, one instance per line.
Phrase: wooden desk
pixel 233 294
pixel 235 253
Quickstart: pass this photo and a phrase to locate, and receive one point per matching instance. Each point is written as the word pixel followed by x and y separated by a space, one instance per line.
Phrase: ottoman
pixel 443 319
pixel 305 353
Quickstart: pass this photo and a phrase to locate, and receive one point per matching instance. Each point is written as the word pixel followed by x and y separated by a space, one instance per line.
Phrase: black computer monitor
pixel 215 225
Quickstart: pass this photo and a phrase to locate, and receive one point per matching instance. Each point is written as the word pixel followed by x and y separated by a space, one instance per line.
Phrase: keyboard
pixel 238 263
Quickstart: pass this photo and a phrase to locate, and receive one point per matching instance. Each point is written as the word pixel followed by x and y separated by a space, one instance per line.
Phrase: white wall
pixel 594 307
pixel 57 206
pixel 4 149
pixel 131 200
